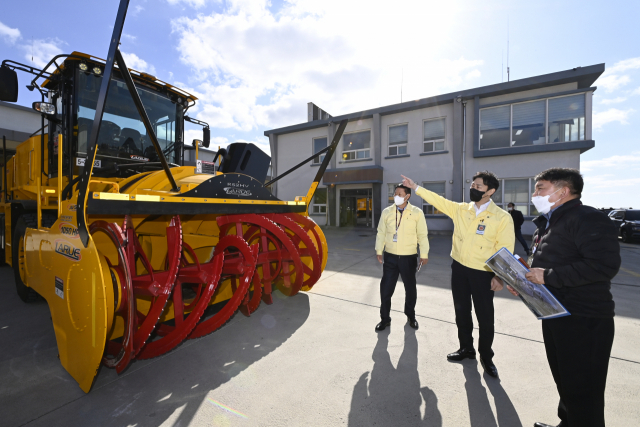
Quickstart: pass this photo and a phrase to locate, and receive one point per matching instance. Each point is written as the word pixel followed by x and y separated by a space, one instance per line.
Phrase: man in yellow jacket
pixel 401 229
pixel 480 229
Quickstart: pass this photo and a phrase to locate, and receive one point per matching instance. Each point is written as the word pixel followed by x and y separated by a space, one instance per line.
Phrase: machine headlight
pixel 83 66
pixel 44 107
pixel 97 71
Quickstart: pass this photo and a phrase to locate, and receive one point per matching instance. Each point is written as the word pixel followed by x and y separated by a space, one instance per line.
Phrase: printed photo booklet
pixel 542 303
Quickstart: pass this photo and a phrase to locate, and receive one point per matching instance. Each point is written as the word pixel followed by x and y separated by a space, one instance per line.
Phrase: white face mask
pixel 542 203
pixel 399 200
pixel 509 209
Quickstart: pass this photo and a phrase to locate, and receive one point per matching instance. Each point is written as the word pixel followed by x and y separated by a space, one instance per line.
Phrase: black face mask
pixel 476 195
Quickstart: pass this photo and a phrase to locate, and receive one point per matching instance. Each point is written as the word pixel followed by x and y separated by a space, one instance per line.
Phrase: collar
pixel 405 208
pixel 482 208
pixel 544 218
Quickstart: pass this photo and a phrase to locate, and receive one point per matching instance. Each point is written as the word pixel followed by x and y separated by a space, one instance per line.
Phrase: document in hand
pixel 536 297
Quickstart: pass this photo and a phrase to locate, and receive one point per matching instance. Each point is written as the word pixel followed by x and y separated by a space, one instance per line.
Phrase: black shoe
pixel 489 368
pixel 461 354
pixel 547 425
pixel 413 323
pixel 382 326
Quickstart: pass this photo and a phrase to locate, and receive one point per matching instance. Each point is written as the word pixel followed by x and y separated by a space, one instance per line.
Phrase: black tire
pixel 626 238
pixel 30 220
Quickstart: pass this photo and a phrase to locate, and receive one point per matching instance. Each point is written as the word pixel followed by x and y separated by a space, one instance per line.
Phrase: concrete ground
pixel 315 360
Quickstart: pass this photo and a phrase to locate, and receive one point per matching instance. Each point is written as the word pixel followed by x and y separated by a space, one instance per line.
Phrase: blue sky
pixel 255 64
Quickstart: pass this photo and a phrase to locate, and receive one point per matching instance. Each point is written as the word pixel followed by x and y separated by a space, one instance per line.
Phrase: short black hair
pixel 563 177
pixel 489 179
pixel 406 189
pixel 511 204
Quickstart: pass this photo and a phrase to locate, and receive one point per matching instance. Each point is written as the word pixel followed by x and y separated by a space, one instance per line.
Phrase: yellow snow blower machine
pixel 133 250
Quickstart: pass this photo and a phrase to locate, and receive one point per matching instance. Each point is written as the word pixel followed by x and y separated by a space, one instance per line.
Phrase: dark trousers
pixel 521 240
pixel 468 284
pixel 578 350
pixel 394 266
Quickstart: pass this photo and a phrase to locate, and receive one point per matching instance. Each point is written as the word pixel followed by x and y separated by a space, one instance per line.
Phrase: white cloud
pixel 610 182
pixel 42 51
pixel 10 35
pixel 129 37
pixel 617 162
pixel 260 69
pixel 636 92
pixel 133 61
pixel 612 79
pixel 137 9
pixel 611 115
pixel 617 100
pixel 624 65
pixel 474 74
pixel 611 82
pixel 196 4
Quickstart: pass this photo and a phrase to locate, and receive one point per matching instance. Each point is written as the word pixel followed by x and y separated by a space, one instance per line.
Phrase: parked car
pixel 628 222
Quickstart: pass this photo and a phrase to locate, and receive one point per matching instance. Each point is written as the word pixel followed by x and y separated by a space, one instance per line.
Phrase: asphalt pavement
pixel 315 360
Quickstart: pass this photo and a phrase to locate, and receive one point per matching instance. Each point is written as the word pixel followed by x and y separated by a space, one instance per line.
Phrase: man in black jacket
pixel 575 254
pixel 518 220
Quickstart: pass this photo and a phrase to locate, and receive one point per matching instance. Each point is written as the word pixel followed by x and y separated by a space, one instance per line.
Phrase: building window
pixel 392 192
pixel 528 124
pixel 434 135
pixel 517 191
pixel 319 201
pixel 494 127
pixel 549 120
pixel 439 189
pixel 319 144
pixel 398 138
pixel 566 118
pixel 356 145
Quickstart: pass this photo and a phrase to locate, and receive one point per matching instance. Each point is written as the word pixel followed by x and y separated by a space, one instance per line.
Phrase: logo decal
pixel 237 189
pixel 134 157
pixel 66 249
pixel 73 208
pixel 59 284
pixel 66 217
pixel 69 230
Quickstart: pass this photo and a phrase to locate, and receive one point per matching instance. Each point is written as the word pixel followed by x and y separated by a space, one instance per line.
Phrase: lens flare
pixel 226 408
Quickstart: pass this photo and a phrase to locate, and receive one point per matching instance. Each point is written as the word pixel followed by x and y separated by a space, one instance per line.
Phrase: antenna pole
pixel 508 75
pixel 401 83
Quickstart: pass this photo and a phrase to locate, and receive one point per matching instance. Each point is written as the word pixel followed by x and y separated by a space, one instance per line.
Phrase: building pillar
pixel 376 204
pixel 377 148
pixel 273 145
pixel 332 202
pixel 331 131
pixel 456 148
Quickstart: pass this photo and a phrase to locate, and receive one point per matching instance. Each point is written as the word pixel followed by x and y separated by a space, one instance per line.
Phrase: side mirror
pixel 206 137
pixel 8 84
pixel 44 108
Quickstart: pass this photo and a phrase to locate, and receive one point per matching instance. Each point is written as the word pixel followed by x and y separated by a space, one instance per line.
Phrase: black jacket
pixel 580 254
pixel 518 218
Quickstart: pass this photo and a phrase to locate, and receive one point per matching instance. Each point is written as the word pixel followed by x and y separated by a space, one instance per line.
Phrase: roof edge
pixel 584 76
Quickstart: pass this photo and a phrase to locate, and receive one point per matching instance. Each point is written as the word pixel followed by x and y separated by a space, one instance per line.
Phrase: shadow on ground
pixel 392 396
pixel 36 388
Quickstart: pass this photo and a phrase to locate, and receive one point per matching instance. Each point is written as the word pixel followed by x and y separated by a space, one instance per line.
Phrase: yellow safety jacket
pixel 475 238
pixel 412 231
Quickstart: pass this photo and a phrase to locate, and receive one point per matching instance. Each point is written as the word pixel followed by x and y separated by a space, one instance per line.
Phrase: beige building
pixel 514 129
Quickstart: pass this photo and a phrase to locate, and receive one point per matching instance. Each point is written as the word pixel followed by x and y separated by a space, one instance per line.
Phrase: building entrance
pixel 355 208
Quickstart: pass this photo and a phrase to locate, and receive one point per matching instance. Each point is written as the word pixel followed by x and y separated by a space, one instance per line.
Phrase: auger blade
pixel 206 276
pixel 312 265
pixel 241 261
